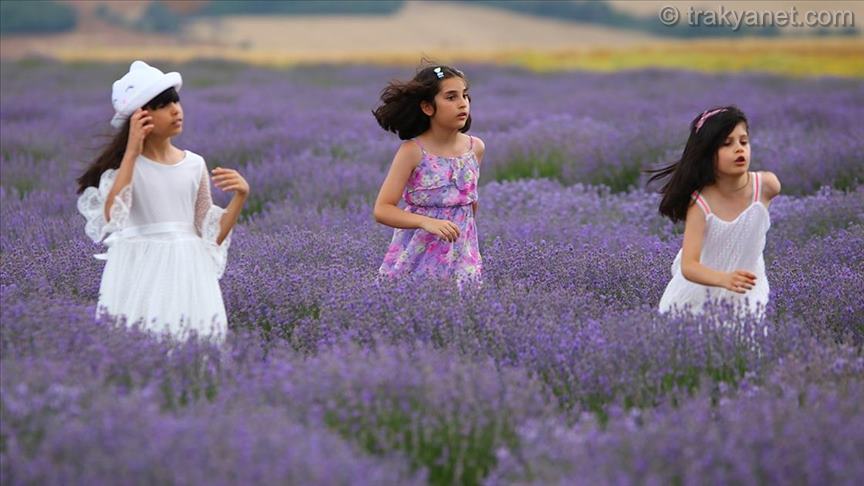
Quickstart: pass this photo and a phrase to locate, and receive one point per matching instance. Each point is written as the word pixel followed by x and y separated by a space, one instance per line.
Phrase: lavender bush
pixel 557 369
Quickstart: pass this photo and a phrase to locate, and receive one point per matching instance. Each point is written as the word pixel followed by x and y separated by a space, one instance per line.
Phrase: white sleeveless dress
pixel 728 246
pixel 163 263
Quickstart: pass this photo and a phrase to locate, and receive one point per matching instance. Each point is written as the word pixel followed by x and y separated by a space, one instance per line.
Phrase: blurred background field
pixel 558 370
pixel 598 35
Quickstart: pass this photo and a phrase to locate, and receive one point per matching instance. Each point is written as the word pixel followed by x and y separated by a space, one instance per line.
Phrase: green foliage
pixel 301 7
pixel 158 18
pixel 531 166
pixel 452 452
pixel 20 17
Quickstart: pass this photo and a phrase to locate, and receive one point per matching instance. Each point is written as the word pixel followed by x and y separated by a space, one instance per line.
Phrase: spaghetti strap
pixel 696 196
pixel 471 145
pixel 422 148
pixel 757 187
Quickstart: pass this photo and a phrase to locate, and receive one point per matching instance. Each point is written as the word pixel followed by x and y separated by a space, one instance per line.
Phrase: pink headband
pixel 706 115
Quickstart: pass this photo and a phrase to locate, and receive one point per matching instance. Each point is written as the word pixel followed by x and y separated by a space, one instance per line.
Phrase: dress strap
pixel 757 187
pixel 417 141
pixel 696 196
pixel 471 145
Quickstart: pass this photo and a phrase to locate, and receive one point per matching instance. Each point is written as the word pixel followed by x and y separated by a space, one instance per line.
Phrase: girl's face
pixel 167 120
pixel 733 156
pixel 452 104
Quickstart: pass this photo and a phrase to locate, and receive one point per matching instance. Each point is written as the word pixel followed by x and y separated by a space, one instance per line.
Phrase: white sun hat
pixel 141 84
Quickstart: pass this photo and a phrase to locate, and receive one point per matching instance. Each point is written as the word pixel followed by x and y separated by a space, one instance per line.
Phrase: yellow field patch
pixel 829 57
pixel 844 59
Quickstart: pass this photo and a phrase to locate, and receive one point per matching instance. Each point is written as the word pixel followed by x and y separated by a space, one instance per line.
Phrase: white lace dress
pixel 728 246
pixel 163 263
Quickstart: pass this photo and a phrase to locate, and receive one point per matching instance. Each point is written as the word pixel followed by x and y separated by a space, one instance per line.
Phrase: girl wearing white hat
pixel 150 203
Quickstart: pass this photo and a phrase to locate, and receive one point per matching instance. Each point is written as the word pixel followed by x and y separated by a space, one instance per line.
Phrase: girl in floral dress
pixel 435 172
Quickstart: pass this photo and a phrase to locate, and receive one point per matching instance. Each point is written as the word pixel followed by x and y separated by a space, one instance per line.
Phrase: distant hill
pixel 299 7
pixel 167 16
pixel 619 14
pixel 116 31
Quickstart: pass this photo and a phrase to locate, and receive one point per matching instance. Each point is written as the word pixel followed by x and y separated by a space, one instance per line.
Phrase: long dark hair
pixel 112 154
pixel 695 169
pixel 400 111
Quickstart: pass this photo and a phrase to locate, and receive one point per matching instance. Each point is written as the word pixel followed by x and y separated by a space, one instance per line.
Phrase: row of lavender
pixel 557 369
pixel 308 135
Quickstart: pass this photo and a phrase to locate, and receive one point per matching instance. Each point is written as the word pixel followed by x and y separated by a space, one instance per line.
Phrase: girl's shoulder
pixel 410 148
pixel 479 146
pixel 193 157
pixel 194 161
pixel 770 184
pixel 706 191
pixel 409 153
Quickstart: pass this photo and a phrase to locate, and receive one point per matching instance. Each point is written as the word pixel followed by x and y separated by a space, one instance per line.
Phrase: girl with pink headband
pixel 724 207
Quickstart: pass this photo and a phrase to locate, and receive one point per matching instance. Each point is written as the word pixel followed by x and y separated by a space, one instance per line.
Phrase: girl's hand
pixel 229 180
pixel 140 125
pixel 739 281
pixel 447 230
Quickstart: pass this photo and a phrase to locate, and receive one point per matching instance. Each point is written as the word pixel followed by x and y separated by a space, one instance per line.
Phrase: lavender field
pixel 558 370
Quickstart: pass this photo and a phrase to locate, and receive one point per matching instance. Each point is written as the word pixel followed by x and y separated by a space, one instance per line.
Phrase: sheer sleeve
pixel 208 219
pixel 91 204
